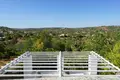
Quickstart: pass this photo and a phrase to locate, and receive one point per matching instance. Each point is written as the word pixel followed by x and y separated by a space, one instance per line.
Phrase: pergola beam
pixel 33 66
pixel 91 71
pixel 59 64
pixel 31 70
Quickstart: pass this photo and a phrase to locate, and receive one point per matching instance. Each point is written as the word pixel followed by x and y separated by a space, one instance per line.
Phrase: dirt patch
pixel 3 62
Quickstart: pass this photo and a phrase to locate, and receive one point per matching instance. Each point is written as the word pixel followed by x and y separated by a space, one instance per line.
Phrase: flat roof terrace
pixel 86 65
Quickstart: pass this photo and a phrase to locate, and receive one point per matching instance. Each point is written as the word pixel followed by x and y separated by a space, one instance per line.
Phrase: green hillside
pixel 104 39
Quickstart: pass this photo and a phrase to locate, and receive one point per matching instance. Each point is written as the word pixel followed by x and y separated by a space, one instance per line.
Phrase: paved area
pixel 74 78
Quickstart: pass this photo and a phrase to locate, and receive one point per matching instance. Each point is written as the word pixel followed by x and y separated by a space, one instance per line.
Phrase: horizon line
pixel 59 27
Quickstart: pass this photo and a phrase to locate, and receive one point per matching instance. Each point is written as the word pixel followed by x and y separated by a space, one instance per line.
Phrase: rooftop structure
pixel 86 65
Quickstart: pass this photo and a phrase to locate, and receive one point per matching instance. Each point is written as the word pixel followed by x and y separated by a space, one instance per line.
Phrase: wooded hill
pixel 104 39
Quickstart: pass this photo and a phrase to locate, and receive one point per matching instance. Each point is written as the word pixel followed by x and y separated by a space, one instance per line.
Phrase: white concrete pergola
pixel 59 65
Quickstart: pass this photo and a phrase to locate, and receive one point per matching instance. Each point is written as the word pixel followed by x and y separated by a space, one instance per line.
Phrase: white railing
pixel 105 60
pixel 60 64
pixel 14 62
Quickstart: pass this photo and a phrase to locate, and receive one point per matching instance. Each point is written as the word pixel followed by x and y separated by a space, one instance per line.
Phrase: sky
pixel 59 13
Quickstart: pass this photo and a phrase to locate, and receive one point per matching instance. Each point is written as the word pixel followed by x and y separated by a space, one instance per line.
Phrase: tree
pixel 46 39
pixel 114 55
pixel 58 45
pixel 68 45
pixel 2 47
pixel 38 45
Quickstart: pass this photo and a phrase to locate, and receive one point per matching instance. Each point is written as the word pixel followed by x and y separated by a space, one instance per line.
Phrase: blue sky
pixel 59 13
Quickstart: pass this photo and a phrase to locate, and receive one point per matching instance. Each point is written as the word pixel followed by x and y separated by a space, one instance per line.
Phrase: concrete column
pixel 59 62
pixel 92 64
pixel 27 60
